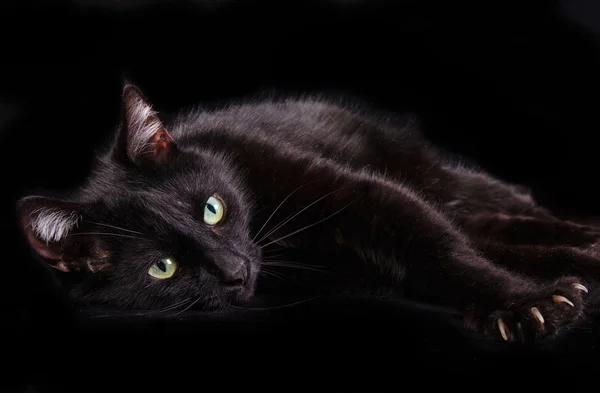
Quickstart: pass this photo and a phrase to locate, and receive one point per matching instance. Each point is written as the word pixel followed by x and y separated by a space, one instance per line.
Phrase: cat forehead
pixel 163 196
pixel 150 213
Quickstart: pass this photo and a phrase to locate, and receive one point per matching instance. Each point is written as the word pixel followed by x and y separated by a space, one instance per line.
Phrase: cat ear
pixel 143 136
pixel 48 224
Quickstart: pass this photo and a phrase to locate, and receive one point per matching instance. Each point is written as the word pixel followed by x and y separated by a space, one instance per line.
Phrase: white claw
pixel 537 314
pixel 580 287
pixel 561 299
pixel 502 328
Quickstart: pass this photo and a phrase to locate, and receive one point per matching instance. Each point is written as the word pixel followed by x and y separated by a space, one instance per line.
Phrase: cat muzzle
pixel 232 271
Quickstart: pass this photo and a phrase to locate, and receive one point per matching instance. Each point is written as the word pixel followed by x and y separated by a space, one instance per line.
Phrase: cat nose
pixel 232 270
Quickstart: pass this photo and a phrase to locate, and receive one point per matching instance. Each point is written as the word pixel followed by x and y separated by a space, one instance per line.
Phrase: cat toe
pixel 503 326
pixel 503 329
pixel 505 332
pixel 540 315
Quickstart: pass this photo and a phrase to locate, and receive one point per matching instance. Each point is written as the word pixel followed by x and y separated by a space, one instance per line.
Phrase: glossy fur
pixel 366 197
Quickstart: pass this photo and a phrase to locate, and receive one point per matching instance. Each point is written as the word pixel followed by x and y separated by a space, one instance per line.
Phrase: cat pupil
pixel 211 208
pixel 161 265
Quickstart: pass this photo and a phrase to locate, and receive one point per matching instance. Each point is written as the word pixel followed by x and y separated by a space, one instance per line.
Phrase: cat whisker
pixel 270 259
pixel 296 214
pixel 107 234
pixel 175 305
pixel 276 209
pixel 166 308
pixel 187 308
pixel 276 307
pixel 145 313
pixel 293 266
pixel 308 226
pixel 276 249
pixel 104 315
pixel 114 227
pixel 269 273
pixel 287 277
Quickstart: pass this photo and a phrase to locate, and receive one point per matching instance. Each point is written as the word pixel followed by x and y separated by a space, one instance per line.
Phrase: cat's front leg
pixel 414 245
pixel 528 230
pixel 504 305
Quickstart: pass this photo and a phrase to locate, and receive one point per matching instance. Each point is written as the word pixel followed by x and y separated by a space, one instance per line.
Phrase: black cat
pixel 186 216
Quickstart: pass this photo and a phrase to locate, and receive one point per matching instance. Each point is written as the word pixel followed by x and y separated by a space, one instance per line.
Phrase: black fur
pixel 361 195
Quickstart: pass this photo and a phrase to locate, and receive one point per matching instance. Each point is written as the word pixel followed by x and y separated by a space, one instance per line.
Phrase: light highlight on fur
pixel 53 225
pixel 143 123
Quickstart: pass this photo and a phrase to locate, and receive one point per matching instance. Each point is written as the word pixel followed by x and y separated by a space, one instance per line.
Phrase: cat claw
pixel 580 287
pixel 561 299
pixel 502 327
pixel 537 315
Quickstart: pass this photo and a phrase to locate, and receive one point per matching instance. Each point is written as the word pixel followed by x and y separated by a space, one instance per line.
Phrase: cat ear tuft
pixel 54 230
pixel 144 136
pixel 46 223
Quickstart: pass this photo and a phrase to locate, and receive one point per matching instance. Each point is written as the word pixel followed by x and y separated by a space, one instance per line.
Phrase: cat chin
pixel 242 295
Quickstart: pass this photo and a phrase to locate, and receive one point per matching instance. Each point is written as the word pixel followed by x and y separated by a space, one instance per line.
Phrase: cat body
pixel 190 212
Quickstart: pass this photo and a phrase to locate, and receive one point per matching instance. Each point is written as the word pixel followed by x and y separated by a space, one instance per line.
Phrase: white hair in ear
pixel 143 124
pixel 52 224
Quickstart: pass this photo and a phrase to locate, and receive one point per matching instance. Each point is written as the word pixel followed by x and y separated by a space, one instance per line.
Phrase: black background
pixel 513 85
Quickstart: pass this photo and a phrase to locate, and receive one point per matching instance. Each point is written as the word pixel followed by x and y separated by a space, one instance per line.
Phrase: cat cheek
pixel 60 265
pixel 96 267
pixel 100 262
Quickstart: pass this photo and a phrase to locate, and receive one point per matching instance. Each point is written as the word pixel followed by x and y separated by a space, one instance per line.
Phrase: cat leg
pixel 528 230
pixel 489 208
pixel 412 244
pixel 543 261
pixel 512 306
pixel 549 263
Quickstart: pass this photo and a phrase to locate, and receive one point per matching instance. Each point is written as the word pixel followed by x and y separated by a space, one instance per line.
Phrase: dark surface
pixel 512 86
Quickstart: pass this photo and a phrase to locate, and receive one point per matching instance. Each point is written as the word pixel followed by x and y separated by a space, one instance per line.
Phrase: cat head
pixel 154 224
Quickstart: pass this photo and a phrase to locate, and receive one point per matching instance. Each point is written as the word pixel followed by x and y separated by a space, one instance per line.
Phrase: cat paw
pixel 577 235
pixel 540 315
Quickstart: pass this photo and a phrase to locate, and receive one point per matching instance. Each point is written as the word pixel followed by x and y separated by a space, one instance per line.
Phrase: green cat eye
pixel 213 210
pixel 162 269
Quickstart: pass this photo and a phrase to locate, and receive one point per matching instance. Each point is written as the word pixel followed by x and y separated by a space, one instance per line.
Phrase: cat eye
pixel 213 210
pixel 165 268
